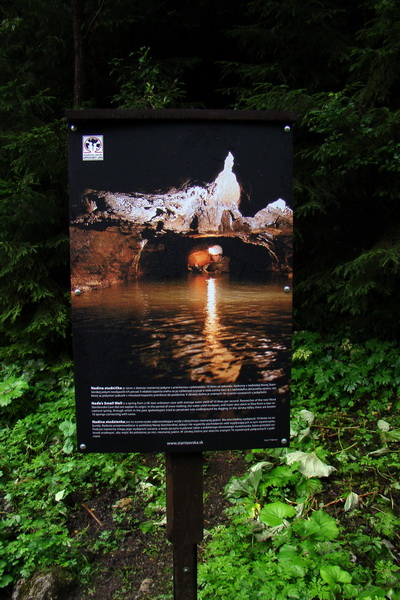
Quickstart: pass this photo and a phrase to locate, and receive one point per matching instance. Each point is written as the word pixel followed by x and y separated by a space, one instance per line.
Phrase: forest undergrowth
pixel 318 520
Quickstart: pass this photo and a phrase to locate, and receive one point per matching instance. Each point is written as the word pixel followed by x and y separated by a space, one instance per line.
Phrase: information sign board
pixel 181 267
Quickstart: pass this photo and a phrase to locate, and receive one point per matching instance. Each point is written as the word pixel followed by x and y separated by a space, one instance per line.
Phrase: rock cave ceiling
pixel 208 210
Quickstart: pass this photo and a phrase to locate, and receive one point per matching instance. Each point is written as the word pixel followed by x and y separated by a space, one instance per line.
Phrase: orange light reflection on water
pixel 221 363
pixel 204 329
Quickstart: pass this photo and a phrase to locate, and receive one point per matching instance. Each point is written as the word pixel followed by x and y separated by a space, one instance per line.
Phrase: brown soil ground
pixel 140 567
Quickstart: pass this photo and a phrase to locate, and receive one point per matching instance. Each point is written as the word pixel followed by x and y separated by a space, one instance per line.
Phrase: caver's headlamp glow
pixel 215 250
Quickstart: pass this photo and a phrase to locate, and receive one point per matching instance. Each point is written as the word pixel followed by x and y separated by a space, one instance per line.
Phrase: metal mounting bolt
pixel 82 447
pixel 186 570
pixel 77 292
pixel 284 441
pixel 286 289
pixel 74 128
pixel 287 128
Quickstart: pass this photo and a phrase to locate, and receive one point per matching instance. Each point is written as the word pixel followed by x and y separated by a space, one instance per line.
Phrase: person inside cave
pixel 211 260
pixel 219 263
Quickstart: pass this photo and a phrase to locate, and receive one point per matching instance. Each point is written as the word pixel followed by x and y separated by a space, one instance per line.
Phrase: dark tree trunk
pixel 79 52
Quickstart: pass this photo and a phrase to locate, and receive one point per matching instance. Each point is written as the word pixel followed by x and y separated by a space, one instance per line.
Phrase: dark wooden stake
pixel 185 518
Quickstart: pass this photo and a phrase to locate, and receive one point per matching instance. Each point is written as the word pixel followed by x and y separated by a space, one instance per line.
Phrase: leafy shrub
pixel 328 371
pixel 319 520
pixel 40 468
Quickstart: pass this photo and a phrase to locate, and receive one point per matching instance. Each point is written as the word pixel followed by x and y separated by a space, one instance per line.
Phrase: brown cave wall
pixel 103 258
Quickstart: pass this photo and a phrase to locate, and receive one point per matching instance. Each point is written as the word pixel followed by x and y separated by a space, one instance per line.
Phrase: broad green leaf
pixel 310 464
pixel 320 527
pixel 273 514
pixel 68 428
pixel 333 574
pixel 248 485
pixel 352 501
pixel 279 477
pixel 290 557
pixel 307 488
pixel 327 528
pixel 350 591
pixel 307 547
pixel 288 553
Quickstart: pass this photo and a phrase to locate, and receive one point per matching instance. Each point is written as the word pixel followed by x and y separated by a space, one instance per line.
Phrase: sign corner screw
pixel 287 128
pixel 74 128
pixel 82 447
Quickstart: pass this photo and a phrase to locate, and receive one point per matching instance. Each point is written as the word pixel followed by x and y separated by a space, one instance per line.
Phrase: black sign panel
pixel 181 264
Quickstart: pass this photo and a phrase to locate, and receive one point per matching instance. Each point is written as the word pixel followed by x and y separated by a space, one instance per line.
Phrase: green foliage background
pixel 335 63
pixel 319 520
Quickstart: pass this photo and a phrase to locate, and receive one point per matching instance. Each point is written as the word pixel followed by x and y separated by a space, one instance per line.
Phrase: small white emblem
pixel 92 147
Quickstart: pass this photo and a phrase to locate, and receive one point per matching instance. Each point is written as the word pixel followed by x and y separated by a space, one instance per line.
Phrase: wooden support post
pixel 185 518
